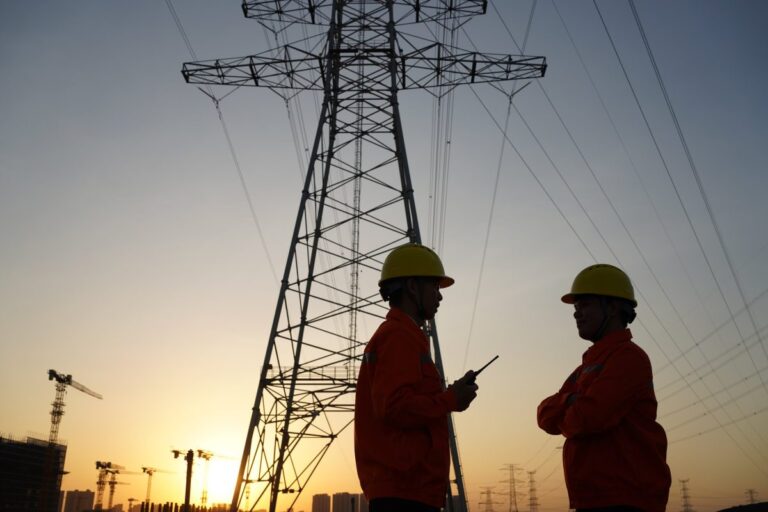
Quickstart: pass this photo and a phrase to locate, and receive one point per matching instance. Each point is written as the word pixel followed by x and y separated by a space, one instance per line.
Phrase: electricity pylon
pixel 357 204
pixel 685 495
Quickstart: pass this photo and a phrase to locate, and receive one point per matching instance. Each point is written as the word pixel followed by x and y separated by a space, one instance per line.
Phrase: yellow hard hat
pixel 601 279
pixel 414 260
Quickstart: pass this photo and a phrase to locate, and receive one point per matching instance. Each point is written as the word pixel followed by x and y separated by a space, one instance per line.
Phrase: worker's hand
pixel 465 390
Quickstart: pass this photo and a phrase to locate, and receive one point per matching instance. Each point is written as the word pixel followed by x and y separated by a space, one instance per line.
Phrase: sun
pixel 221 477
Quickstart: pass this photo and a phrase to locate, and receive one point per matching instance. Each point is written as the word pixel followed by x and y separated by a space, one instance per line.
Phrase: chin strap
pixel 417 300
pixel 604 325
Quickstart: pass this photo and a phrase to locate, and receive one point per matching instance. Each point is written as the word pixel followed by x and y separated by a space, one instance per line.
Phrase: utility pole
pixel 685 496
pixel 189 458
pixel 533 501
pixel 304 398
pixel 751 495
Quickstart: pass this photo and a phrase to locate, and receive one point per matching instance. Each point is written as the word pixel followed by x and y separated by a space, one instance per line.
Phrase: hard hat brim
pixel 446 281
pixel 443 281
pixel 570 298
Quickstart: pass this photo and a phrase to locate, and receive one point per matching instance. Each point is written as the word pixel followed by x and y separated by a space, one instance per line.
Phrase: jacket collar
pixel 606 344
pixel 398 315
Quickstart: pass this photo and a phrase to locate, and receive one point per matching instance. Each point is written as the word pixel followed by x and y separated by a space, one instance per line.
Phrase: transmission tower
pixel 511 482
pixel 685 496
pixel 533 501
pixel 356 204
pixel 751 495
pixel 488 502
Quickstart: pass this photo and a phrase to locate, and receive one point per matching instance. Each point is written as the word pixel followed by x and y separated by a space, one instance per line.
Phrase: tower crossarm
pixel 296 69
pixel 316 12
pixel 422 68
pixel 442 65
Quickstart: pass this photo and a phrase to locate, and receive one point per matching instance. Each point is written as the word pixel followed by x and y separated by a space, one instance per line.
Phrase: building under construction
pixel 30 475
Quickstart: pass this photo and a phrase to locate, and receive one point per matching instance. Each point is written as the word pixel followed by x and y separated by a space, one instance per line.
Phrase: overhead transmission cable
pixel 672 181
pixel 492 208
pixel 629 82
pixel 440 142
pixel 706 337
pixel 631 160
pixel 725 361
pixel 216 102
pixel 697 177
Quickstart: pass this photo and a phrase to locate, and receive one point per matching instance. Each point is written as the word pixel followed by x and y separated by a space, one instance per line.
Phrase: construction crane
pixel 205 455
pixel 112 484
pixel 62 381
pixel 150 472
pixel 104 469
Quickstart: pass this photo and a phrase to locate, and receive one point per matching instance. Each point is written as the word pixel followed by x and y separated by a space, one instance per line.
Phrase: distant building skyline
pixel 321 503
pixel 77 501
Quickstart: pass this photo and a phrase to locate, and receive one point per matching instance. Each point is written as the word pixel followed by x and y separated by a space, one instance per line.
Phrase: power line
pixel 216 102
pixel 669 174
pixel 493 198
pixel 629 82
pixel 697 177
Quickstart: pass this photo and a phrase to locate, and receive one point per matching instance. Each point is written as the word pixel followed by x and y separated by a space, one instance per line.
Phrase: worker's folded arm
pixel 610 396
pixel 552 409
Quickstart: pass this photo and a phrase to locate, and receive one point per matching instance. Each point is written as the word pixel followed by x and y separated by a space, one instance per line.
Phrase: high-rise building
pixel 344 502
pixel 30 475
pixel 321 503
pixel 78 501
pixel 362 503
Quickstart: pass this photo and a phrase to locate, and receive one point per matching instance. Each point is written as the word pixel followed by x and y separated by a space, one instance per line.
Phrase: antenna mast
pixel 305 400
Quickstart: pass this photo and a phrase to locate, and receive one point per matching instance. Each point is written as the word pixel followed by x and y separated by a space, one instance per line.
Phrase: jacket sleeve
pixel 394 390
pixel 552 409
pixel 625 375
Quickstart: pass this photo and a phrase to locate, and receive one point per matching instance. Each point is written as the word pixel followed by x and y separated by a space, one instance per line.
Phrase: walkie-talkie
pixel 476 373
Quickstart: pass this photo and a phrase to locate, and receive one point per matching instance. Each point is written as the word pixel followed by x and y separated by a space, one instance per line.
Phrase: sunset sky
pixel 130 258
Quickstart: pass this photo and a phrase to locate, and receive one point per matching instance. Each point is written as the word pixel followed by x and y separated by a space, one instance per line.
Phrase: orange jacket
pixel 401 416
pixel 615 452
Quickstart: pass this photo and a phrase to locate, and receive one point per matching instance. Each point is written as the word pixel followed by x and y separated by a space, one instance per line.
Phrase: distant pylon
pixel 751 495
pixel 304 397
pixel 511 482
pixel 533 501
pixel 488 502
pixel 685 496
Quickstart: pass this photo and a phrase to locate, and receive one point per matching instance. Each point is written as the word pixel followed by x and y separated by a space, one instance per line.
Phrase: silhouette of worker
pixel 614 457
pixel 401 408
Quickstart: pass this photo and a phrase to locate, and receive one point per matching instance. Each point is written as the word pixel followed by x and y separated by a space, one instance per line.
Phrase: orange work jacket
pixel 401 416
pixel 615 452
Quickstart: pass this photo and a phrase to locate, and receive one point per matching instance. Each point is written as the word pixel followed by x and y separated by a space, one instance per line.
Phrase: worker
pixel 401 406
pixel 614 457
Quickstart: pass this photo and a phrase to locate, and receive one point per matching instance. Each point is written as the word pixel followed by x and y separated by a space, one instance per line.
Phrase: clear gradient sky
pixel 129 257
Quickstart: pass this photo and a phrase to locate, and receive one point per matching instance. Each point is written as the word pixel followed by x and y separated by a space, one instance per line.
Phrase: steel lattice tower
pixel 356 205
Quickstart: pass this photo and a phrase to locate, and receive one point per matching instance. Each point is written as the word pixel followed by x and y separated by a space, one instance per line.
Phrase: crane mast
pixel 62 381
